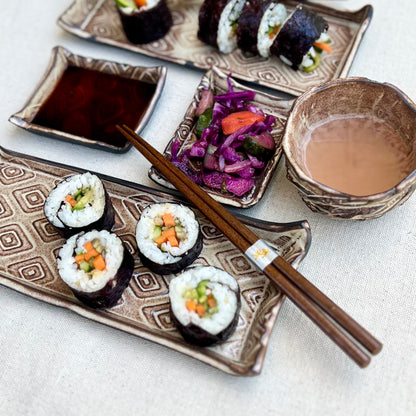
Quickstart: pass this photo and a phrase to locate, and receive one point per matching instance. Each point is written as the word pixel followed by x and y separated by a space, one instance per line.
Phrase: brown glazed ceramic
pixel 60 59
pixel 217 82
pixel 349 96
pixel 29 246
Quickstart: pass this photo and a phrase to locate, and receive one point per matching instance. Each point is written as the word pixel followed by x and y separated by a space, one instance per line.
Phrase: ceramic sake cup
pixel 359 96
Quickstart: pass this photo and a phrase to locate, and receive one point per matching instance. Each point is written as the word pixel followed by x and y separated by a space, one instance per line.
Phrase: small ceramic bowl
pixel 359 96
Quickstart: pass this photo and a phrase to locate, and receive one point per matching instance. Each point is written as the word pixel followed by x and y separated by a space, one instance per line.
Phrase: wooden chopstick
pixel 298 289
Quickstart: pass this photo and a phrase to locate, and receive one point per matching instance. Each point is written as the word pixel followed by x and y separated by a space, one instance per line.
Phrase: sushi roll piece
pixel 296 43
pixel 79 203
pixel 168 237
pixel 218 21
pixel 144 21
pixel 205 304
pixel 96 266
pixel 258 25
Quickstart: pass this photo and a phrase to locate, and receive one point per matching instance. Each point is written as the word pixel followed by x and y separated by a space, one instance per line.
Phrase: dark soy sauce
pixel 89 103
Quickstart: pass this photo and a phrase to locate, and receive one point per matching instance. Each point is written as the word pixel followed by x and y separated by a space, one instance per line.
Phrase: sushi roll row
pixel 265 28
pixel 93 262
pixel 97 267
pixel 144 21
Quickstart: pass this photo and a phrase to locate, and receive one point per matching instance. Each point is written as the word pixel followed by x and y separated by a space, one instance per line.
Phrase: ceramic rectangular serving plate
pixel 29 247
pixel 217 82
pixel 98 20
pixel 60 59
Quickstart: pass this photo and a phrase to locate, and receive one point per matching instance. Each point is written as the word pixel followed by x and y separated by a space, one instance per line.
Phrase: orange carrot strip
pixel 324 46
pixel 200 310
pixel 235 121
pixel 168 220
pixel 90 251
pixel 71 200
pixel 169 232
pixel 190 305
pixel 140 3
pixel 79 257
pixel 173 241
pixel 99 262
pixel 88 246
pixel 211 302
pixel 160 240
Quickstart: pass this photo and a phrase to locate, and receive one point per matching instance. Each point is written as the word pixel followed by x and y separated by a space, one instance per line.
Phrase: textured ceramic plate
pixel 62 58
pixel 215 80
pixel 29 246
pixel 98 20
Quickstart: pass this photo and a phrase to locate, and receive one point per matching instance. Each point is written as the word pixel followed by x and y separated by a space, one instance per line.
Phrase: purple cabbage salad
pixel 226 162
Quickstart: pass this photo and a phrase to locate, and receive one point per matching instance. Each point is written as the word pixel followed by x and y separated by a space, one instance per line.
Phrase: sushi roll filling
pixel 92 257
pixel 80 198
pixel 312 59
pixel 168 231
pixel 270 24
pixel 131 6
pixel 226 36
pixel 201 300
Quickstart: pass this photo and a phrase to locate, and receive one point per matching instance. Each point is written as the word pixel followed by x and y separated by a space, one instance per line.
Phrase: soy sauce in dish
pixel 90 103
pixel 357 155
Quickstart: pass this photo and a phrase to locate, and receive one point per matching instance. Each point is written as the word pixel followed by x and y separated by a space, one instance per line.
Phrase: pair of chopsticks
pixel 330 318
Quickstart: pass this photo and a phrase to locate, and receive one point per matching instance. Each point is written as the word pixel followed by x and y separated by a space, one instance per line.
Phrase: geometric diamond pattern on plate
pixel 159 316
pixel 31 198
pixel 145 284
pixel 45 230
pixel 5 209
pixel 12 174
pixel 209 232
pixel 34 270
pixel 235 263
pixel 13 240
pixel 129 241
pixel 253 296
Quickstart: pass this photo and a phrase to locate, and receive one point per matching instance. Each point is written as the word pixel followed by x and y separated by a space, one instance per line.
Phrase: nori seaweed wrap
pixel 96 266
pixel 248 24
pixel 298 35
pixel 146 23
pixel 209 18
pixel 218 22
pixel 79 203
pixel 205 304
pixel 168 238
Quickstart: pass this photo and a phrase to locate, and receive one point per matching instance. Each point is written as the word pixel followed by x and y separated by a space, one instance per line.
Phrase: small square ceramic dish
pixel 185 137
pixel 81 100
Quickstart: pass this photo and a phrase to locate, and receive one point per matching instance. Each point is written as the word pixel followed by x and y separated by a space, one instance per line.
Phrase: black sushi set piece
pixel 251 22
pixel 83 200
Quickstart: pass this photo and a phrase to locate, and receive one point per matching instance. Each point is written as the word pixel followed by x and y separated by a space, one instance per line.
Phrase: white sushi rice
pixel 275 15
pixel 76 278
pixel 226 36
pixel 166 254
pixel 224 288
pixel 60 213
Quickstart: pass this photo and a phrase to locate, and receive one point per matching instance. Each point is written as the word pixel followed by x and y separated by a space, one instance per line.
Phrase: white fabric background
pixel 53 362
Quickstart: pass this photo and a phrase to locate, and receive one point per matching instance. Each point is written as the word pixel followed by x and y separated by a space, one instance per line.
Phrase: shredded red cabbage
pixel 223 164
